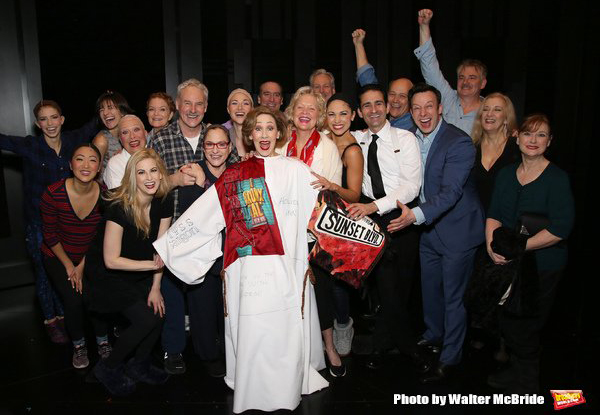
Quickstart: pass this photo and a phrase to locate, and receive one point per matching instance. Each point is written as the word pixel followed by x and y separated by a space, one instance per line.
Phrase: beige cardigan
pixel 326 159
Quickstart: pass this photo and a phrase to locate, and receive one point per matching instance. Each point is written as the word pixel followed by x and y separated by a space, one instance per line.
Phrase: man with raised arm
pixel 398 88
pixel 460 104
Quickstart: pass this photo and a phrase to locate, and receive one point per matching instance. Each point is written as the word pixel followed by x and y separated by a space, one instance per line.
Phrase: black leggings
pixel 72 302
pixel 141 335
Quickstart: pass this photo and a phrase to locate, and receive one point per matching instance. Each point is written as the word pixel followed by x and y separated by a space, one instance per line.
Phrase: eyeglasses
pixel 220 145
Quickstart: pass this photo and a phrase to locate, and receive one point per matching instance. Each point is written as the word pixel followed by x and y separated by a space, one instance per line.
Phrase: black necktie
pixel 373 169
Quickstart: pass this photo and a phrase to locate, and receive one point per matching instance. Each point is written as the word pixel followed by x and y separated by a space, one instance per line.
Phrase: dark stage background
pixel 543 54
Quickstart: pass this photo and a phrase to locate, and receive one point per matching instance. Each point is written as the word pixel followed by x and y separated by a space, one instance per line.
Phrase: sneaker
pixel 338 371
pixel 80 357
pixel 342 337
pixel 174 363
pixel 56 333
pixel 104 350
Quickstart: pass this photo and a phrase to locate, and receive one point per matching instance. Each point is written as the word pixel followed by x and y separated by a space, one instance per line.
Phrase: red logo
pixel 567 398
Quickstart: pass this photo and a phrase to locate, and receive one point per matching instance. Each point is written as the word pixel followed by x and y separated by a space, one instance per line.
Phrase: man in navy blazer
pixel 452 222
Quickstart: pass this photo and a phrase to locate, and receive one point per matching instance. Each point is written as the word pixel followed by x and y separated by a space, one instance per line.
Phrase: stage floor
pixel 37 378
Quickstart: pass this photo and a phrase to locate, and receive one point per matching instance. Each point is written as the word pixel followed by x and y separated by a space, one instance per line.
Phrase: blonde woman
pixel 124 273
pixel 307 114
pixel 493 135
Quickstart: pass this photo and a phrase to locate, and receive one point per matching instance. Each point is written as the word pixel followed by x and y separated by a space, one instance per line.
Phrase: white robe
pixel 272 353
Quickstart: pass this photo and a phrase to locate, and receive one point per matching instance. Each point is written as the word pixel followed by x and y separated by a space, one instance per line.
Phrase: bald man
pixel 132 134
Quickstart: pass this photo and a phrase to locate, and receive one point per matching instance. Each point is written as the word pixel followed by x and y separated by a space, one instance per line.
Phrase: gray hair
pixel 192 82
pixel 322 72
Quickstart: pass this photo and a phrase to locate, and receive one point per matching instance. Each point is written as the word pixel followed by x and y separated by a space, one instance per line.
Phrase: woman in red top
pixel 70 211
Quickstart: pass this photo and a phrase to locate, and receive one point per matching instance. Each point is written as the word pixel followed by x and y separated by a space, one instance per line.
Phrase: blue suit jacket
pixel 452 208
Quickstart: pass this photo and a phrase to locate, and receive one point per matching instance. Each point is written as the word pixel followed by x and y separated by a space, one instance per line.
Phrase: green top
pixel 549 195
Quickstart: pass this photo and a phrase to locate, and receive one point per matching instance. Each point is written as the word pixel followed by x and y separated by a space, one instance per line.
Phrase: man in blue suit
pixel 452 219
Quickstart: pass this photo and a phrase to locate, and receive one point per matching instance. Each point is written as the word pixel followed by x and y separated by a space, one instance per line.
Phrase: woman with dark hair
pixel 123 273
pixel 340 114
pixel 110 107
pixel 529 192
pixel 45 161
pixel 272 343
pixel 70 211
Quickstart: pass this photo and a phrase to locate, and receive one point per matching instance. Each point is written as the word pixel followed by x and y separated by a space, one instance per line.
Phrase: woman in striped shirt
pixel 71 214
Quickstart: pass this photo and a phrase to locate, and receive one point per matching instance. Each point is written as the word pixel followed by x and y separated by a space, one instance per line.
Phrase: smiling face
pixel 470 82
pixel 158 113
pixel 535 143
pixel 239 106
pixel 493 114
pixel 109 114
pixel 265 135
pixel 191 105
pixel 306 113
pixel 270 96
pixel 132 134
pixel 322 85
pixel 85 164
pixel 373 110
pixel 339 117
pixel 398 97
pixel 49 121
pixel 426 111
pixel 147 177
pixel 216 147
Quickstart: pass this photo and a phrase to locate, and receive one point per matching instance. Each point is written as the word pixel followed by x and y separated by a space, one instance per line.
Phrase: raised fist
pixel 358 36
pixel 425 16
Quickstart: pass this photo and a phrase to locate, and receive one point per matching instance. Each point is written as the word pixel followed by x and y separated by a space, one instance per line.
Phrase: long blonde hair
pixel 126 194
pixel 511 119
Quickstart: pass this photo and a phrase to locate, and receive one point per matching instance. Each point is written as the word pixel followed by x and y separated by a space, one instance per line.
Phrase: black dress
pixel 484 179
pixel 111 291
pixel 344 169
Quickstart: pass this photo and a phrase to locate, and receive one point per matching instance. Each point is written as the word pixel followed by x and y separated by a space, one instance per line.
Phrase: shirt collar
pixel 383 134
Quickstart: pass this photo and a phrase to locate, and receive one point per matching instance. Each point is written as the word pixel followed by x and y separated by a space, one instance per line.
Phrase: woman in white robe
pixel 272 334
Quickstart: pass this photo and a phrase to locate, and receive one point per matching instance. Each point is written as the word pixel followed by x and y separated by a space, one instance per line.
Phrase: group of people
pixel 138 229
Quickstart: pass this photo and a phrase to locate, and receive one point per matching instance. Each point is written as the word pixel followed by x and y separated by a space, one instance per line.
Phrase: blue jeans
pixel 49 301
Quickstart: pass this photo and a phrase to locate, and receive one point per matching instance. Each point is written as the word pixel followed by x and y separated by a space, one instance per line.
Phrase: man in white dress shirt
pixel 133 135
pixel 392 174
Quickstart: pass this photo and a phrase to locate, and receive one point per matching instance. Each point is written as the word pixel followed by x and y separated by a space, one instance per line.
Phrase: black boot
pixel 114 379
pixel 144 371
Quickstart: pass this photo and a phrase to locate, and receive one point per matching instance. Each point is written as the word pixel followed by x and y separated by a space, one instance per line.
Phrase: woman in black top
pixel 533 186
pixel 493 136
pixel 123 273
pixel 332 296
